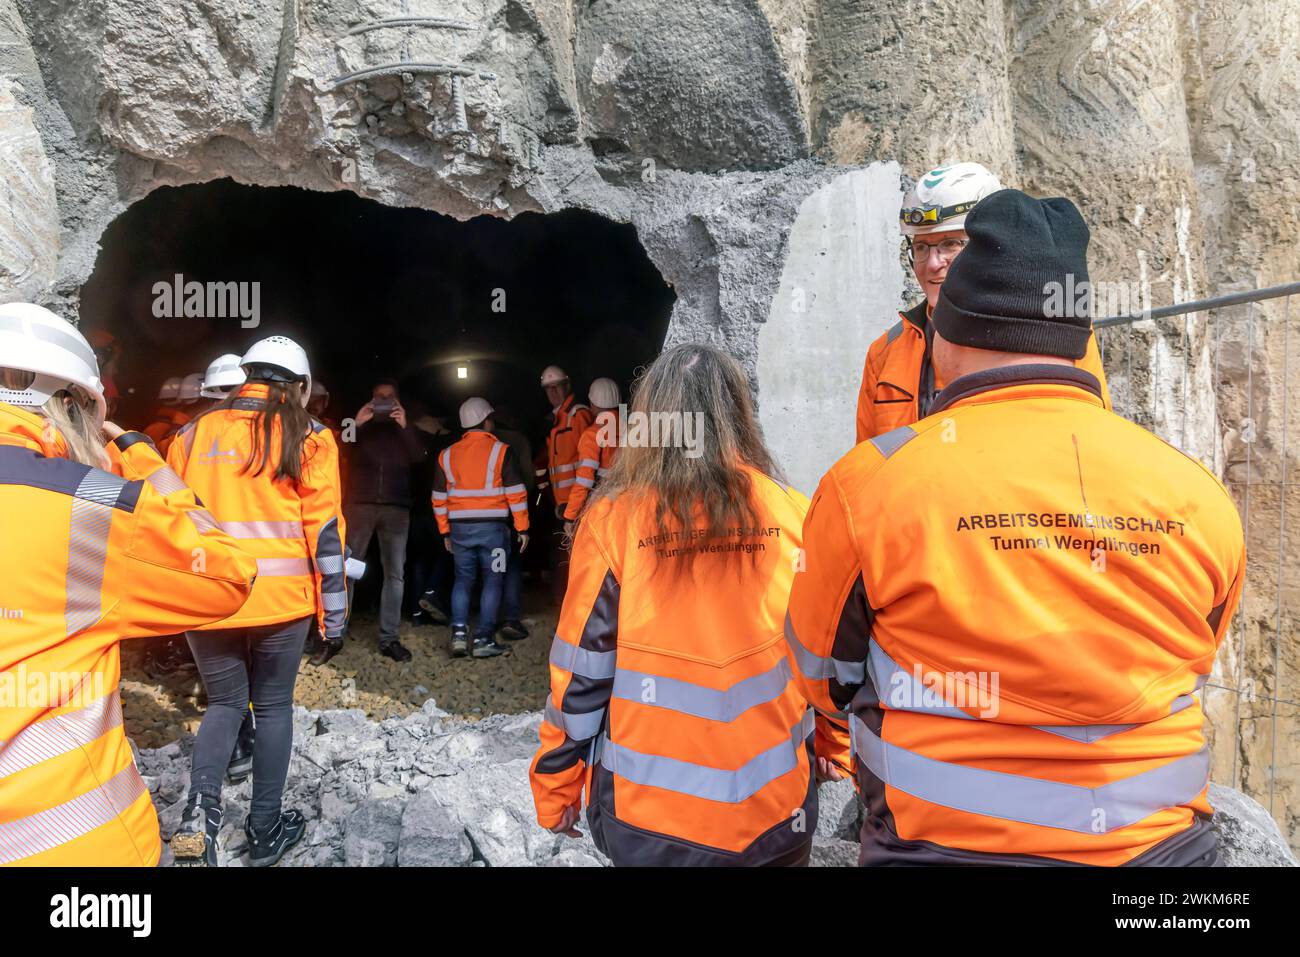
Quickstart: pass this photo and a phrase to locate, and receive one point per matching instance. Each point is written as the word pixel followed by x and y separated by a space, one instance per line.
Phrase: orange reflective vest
pixel 674 693
pixel 294 529
pixel 899 383
pixel 572 418
pixel 478 480
pixel 595 459
pixel 1010 604
pixel 87 558
pixel 167 421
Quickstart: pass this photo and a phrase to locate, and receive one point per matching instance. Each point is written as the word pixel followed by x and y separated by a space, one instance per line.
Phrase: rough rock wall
pixel 744 139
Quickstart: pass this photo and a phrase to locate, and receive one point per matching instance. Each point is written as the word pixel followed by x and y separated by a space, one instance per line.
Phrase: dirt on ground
pixel 157 712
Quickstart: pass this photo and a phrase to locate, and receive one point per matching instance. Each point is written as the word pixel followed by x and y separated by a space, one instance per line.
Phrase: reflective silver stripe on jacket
pixel 579 727
pixel 585 482
pixel 283 567
pixel 88 531
pixel 702 781
pixel 478 492
pixel 580 661
pixel 166 482
pixel 446 467
pixel 478 513
pixel 68 821
pixel 564 483
pixel 493 456
pixel 564 468
pixel 816 668
pixel 590 463
pixel 60 734
pixel 702 702
pixel 252 530
pixel 1014 797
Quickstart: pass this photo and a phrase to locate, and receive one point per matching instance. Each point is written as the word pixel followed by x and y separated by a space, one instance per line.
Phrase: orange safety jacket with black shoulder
pixel 671 698
pixel 572 418
pixel 478 480
pixel 87 558
pixel 1011 605
pixel 294 528
pixel 597 450
pixel 899 383
pixel 167 421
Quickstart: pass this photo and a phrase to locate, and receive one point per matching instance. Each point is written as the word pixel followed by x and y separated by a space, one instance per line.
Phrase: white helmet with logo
pixel 223 375
pixel 191 387
pixel 553 375
pixel 170 390
pixel 604 394
pixel 473 411
pixel 939 201
pixel 34 340
pixel 278 359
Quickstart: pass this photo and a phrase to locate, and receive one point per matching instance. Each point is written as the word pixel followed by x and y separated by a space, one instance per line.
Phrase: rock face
pixel 758 146
pixel 430 790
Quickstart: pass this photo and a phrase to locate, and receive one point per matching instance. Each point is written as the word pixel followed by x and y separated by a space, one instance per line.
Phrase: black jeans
pixel 392 523
pixel 237 664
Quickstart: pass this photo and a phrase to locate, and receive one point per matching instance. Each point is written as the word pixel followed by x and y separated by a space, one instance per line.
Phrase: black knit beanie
pixel 1016 286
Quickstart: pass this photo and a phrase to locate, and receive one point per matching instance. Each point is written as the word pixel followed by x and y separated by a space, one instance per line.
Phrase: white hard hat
pixel 553 375
pixel 473 411
pixel 170 390
pixel 224 373
pixel 939 201
pixel 35 340
pixel 279 359
pixel 604 394
pixel 191 387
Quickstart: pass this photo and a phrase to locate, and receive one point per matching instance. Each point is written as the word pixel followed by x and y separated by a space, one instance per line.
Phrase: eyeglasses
pixel 948 250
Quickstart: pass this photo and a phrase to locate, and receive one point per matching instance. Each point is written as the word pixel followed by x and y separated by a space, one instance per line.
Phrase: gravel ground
pixel 157 713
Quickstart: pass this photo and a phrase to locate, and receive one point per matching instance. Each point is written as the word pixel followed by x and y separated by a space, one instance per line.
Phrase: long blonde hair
pixel 702 382
pixel 66 414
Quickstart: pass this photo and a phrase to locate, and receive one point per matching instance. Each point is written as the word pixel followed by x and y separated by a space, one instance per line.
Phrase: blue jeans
pixel 479 547
pixel 514 583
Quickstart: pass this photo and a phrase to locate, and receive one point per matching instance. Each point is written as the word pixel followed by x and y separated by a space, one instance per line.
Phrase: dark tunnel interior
pixel 449 309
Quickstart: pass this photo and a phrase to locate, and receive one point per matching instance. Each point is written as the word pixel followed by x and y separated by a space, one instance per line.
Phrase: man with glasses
pixel 898 380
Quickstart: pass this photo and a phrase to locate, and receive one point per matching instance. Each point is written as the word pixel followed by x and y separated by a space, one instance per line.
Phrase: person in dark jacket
pixel 378 500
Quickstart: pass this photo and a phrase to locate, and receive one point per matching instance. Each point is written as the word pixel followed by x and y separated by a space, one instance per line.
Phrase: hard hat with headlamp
pixel 939 201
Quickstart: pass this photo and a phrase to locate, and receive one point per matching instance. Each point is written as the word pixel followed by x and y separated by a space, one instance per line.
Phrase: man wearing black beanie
pixel 1010 604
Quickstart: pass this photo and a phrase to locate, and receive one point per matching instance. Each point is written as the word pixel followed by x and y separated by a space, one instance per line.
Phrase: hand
pixel 399 416
pixel 570 818
pixel 523 542
pixel 827 770
pixel 111 430
pixel 569 527
pixel 366 413
pixel 447 543
pixel 559 512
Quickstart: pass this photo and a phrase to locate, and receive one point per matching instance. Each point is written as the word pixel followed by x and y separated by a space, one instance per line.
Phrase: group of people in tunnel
pixel 994 614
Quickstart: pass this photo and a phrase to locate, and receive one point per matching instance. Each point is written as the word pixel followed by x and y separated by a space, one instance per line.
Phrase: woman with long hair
pixel 670 693
pixel 97 544
pixel 269 473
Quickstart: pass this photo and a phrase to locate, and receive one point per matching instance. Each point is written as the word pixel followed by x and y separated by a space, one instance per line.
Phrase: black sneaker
pixel 241 759
pixel 486 647
pixel 329 647
pixel 459 641
pixel 267 845
pixel 396 650
pixel 429 603
pixel 195 841
pixel 513 630
pixel 171 658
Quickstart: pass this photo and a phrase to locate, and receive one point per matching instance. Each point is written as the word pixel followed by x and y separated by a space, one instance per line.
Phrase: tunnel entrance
pixel 373 291
pixel 447 309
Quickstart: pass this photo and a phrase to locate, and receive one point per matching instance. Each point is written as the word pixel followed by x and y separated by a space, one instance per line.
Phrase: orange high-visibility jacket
pixel 294 529
pixel 478 480
pixel 594 460
pixel 572 418
pixel 1011 604
pixel 675 693
pixel 167 421
pixel 898 381
pixel 87 558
